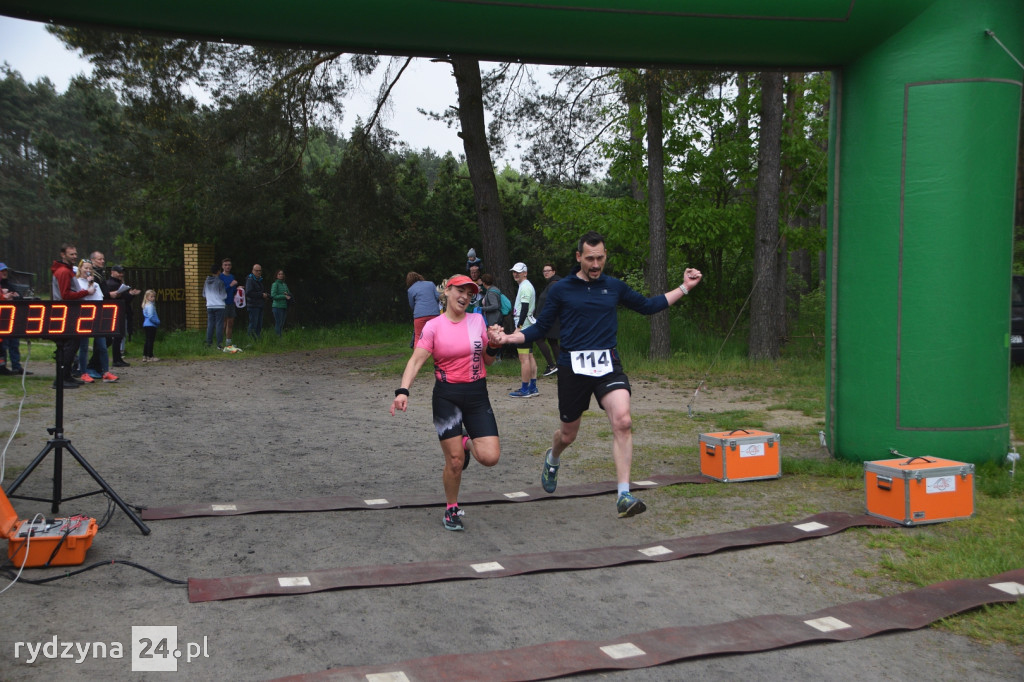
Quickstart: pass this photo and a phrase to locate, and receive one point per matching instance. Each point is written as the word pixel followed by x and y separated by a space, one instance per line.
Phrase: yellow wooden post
pixel 198 258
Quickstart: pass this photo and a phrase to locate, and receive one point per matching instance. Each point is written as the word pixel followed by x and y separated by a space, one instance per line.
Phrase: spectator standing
pixel 280 298
pixel 522 313
pixel 230 311
pixel 124 294
pixel 150 322
pixel 491 305
pixel 474 274
pixel 64 287
pixel 551 338
pixel 213 292
pixel 9 347
pixel 98 261
pixel 85 279
pixel 99 264
pixel 255 296
pixel 424 301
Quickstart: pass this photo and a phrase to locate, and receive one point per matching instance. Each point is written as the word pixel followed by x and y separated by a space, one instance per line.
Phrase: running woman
pixel 458 343
pixel 585 303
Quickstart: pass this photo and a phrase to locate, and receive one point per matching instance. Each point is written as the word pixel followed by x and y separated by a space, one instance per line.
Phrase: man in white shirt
pixel 522 314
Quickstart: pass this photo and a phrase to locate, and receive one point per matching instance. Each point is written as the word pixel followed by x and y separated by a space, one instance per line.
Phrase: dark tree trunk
pixel 634 101
pixel 481 171
pixel 764 315
pixel 657 265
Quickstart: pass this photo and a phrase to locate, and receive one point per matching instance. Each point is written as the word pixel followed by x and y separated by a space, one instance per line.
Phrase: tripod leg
pixel 58 476
pixel 107 489
pixel 28 470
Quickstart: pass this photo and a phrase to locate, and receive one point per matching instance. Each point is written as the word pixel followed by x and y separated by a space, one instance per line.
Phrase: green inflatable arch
pixel 926 110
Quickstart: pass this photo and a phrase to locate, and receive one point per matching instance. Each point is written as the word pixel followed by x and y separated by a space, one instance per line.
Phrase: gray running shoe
pixel 627 505
pixel 549 475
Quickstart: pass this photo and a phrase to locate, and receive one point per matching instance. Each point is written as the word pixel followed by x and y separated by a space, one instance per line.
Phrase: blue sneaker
pixel 520 393
pixel 533 392
pixel 549 475
pixel 628 505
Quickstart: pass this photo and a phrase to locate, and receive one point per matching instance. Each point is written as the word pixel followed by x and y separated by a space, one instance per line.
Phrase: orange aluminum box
pixel 918 490
pixel 47 542
pixel 740 455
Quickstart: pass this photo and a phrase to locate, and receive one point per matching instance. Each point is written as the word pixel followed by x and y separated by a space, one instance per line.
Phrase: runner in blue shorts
pixel 585 305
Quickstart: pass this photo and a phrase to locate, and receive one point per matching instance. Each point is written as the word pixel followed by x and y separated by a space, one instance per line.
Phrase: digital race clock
pixel 60 319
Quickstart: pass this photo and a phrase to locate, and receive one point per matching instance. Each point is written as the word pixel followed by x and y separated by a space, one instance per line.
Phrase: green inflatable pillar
pixel 921 233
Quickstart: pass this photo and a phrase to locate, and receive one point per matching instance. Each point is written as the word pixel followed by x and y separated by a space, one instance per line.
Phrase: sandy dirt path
pixel 316 423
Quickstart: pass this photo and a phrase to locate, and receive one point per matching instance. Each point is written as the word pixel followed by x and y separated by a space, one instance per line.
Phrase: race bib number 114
pixel 592 363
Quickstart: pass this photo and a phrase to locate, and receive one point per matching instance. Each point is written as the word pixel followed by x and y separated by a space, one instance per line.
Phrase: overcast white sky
pixel 28 48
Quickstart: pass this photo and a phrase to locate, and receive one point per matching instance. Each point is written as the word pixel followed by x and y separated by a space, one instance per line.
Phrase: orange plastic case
pixel 58 542
pixel 740 455
pixel 917 490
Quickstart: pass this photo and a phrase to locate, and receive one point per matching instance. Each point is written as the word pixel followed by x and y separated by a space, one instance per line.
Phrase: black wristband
pixel 493 351
pixel 401 391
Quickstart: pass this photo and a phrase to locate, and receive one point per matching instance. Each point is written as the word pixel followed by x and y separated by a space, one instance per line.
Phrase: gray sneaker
pixel 549 475
pixel 627 506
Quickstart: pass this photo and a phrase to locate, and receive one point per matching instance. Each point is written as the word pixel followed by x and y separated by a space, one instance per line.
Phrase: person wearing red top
pixel 458 343
pixel 64 287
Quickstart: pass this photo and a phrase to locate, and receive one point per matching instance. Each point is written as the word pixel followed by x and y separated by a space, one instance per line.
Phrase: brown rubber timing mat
pixel 348 502
pixel 356 577
pixel 907 611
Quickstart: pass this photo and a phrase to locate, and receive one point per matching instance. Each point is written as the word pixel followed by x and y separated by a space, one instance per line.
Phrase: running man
pixel 585 305
pixel 458 343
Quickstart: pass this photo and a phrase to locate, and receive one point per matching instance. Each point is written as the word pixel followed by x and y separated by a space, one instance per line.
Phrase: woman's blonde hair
pixel 82 263
pixel 442 299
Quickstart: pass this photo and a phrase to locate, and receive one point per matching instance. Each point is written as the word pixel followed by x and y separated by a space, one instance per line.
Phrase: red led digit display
pixel 85 317
pixel 111 315
pixel 34 320
pixel 7 314
pixel 60 319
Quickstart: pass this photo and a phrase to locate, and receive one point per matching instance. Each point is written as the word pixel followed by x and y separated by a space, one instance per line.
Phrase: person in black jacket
pixel 549 344
pixel 255 296
pixel 9 346
pixel 115 284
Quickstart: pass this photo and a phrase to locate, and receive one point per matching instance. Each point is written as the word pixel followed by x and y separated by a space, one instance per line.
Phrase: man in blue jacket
pixel 585 305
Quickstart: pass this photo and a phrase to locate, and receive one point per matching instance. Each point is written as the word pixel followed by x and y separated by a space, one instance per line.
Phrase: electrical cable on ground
pixel 67 574
pixel 17 421
pixel 28 541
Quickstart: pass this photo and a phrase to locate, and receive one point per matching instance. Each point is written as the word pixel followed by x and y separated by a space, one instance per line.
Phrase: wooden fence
pixel 169 285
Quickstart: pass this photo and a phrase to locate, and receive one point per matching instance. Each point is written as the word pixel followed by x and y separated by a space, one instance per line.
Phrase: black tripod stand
pixel 58 444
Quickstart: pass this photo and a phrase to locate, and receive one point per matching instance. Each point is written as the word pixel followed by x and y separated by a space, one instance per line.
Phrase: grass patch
pixel 990 543
pixel 373 339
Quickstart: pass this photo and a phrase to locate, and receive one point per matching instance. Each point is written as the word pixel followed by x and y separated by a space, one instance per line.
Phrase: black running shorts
pixel 458 404
pixel 574 390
